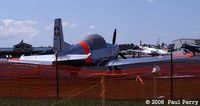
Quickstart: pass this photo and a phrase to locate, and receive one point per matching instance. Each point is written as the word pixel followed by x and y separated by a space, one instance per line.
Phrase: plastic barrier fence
pixel 36 81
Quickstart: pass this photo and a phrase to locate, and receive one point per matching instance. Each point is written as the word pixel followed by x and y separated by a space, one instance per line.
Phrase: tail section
pixel 59 45
pixel 140 42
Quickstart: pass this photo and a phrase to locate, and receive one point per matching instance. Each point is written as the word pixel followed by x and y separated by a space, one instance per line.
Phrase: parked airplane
pixel 191 47
pixel 146 50
pixel 93 50
pixel 153 51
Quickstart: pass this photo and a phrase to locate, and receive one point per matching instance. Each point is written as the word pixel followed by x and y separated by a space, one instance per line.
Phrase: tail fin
pixel 140 42
pixel 59 45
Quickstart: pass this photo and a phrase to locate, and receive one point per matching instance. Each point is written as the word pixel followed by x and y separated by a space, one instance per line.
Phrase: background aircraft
pixel 153 51
pixel 191 47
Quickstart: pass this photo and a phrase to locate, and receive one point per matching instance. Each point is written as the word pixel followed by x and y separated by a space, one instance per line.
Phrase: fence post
pixel 38 70
pixel 102 91
pixel 171 80
pixel 57 81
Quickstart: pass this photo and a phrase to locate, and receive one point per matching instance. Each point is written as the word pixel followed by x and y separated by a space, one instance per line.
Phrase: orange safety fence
pixel 38 81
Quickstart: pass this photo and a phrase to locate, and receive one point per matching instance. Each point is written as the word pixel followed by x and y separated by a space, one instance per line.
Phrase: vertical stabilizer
pixel 140 42
pixel 59 45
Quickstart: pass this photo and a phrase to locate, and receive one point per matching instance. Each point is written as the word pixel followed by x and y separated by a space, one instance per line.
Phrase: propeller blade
pixel 185 42
pixel 181 42
pixel 114 37
pixel 122 56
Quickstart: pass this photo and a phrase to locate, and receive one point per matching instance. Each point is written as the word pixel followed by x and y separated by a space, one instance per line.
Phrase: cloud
pixel 150 1
pixel 91 27
pixel 11 27
pixel 64 24
pixel 70 25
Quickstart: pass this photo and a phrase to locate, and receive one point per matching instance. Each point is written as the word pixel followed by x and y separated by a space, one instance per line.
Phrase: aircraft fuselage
pixel 100 53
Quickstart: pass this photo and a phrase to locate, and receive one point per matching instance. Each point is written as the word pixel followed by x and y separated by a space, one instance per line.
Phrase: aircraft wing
pixel 142 51
pixel 137 51
pixel 118 62
pixel 48 59
pixel 30 62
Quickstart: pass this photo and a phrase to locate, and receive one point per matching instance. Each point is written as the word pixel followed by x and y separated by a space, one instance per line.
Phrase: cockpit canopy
pixel 95 41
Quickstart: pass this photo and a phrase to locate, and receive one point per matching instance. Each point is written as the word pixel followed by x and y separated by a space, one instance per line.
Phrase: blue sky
pixel 135 20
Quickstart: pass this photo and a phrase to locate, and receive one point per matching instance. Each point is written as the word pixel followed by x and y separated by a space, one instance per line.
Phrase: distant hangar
pixel 178 43
pixel 23 49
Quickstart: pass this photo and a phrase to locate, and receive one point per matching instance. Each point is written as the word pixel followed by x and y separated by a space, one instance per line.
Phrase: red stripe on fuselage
pixel 86 51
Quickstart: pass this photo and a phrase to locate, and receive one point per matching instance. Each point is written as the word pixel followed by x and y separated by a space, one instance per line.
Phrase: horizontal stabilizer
pixel 48 59
pixel 73 57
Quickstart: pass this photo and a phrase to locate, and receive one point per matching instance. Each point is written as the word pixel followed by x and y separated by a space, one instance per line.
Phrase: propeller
pixel 114 37
pixel 183 44
pixel 114 41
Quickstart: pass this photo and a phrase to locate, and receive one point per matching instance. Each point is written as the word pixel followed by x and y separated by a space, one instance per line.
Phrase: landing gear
pixel 114 69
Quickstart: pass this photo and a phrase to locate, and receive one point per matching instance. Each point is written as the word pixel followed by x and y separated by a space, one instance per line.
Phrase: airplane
pixel 91 51
pixel 153 51
pixel 182 52
pixel 191 47
pixel 146 50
